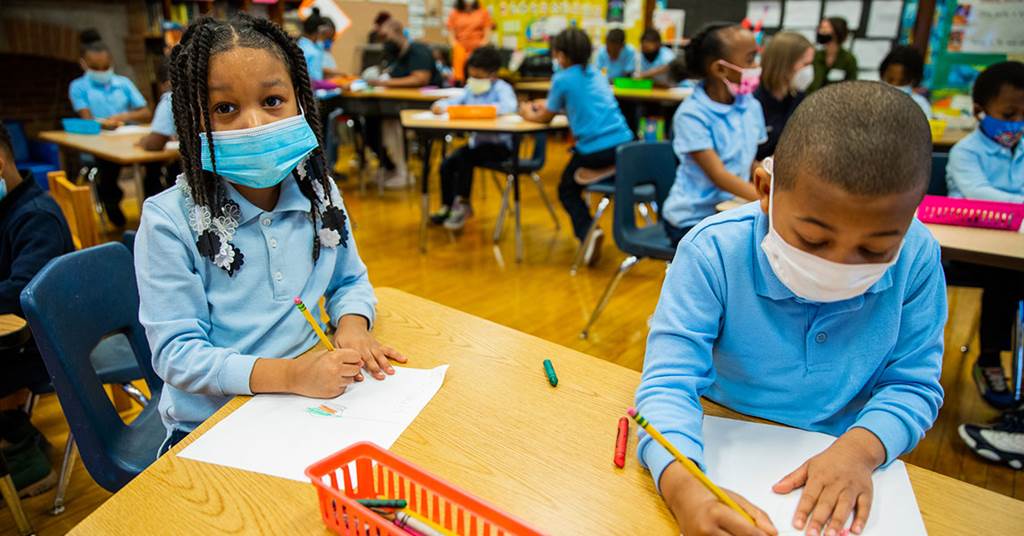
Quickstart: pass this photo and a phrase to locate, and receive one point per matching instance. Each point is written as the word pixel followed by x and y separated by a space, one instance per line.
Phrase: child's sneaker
pixel 1001 442
pixel 457 218
pixel 992 385
pixel 437 218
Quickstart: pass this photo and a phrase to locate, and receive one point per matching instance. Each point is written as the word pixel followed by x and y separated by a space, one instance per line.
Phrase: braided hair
pixel 704 49
pixel 189 72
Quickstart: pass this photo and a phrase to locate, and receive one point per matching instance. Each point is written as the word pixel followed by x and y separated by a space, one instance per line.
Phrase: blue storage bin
pixel 75 125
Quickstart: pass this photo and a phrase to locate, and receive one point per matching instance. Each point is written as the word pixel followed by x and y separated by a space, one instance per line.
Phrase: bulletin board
pixel 527 24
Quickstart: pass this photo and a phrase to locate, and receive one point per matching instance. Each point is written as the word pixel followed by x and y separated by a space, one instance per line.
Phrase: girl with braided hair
pixel 253 222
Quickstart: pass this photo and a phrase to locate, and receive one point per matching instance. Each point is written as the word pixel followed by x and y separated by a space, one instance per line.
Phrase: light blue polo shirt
pixel 163 117
pixel 733 130
pixel 118 96
pixel 623 66
pixel 594 116
pixel 501 95
pixel 728 329
pixel 980 168
pixel 665 56
pixel 314 54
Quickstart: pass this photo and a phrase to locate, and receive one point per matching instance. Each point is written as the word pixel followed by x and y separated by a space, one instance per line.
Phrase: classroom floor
pixel 539 297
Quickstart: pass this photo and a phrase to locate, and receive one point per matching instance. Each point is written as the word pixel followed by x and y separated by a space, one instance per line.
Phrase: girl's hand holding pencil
pixel 376 358
pixel 699 512
pixel 324 374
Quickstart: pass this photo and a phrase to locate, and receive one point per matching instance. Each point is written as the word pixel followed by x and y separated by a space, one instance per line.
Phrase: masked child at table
pixel 482 87
pixel 903 68
pixel 654 59
pixel 616 59
pixel 254 221
pixel 821 306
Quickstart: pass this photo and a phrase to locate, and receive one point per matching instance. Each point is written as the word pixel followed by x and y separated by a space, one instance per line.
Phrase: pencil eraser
pixel 631 412
pixel 298 300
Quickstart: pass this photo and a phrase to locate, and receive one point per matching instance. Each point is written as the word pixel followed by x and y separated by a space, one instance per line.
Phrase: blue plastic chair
pixel 638 165
pixel 72 305
pixel 128 239
pixel 36 157
pixel 937 183
pixel 642 195
pixel 529 166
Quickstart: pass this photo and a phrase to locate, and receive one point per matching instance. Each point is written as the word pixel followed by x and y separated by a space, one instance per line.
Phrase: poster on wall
pixel 669 23
pixel 988 27
pixel 616 11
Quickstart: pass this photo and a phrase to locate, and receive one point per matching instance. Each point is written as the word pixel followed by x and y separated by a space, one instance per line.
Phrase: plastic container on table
pixel 938 128
pixel 633 83
pixel 366 471
pixel 971 213
pixel 76 125
pixel 472 111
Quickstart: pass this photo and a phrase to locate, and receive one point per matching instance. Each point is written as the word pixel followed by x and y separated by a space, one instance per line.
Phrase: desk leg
pixel 425 145
pixel 139 191
pixel 515 197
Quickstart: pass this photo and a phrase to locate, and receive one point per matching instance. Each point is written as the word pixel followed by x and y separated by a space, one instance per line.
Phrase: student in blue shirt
pixel 616 59
pixel 716 130
pixel 903 68
pixel 113 100
pixel 821 306
pixel 317 64
pixel 596 122
pixel 654 59
pixel 988 164
pixel 161 131
pixel 254 221
pixel 482 87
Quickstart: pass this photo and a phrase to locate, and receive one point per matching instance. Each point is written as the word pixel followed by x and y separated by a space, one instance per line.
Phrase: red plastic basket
pixel 366 471
pixel 971 213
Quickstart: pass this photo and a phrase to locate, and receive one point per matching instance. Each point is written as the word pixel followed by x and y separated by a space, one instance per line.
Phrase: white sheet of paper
pixel 430 115
pixel 769 12
pixel 442 91
pixel 884 18
pixel 281 435
pixel 127 129
pixel 847 9
pixel 749 458
pixel 802 14
pixel 174 145
pixel 870 52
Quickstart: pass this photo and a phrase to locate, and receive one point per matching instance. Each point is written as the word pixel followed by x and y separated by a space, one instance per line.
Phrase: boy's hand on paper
pixel 699 512
pixel 836 482
pixel 324 374
pixel 354 335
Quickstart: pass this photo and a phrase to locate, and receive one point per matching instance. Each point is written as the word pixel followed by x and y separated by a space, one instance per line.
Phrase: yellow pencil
pixel 316 327
pixel 688 464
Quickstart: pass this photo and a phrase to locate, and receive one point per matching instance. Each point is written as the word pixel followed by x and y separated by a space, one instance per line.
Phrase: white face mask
pixel 810 276
pixel 478 86
pixel 803 78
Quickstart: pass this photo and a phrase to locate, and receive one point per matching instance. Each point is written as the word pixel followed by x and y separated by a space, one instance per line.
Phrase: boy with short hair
pixel 654 59
pixel 482 87
pixel 616 59
pixel 821 306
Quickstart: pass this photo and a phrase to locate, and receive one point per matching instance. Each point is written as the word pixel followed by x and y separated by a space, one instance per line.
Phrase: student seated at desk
pixel 113 100
pixel 317 64
pixel 903 68
pixel 653 60
pixel 254 221
pixel 482 87
pixel 596 122
pixel 717 130
pixel 989 164
pixel 161 130
pixel 616 59
pixel 821 307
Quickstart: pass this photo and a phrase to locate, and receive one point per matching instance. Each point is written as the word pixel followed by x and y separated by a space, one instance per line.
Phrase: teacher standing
pixel 469 28
pixel 832 63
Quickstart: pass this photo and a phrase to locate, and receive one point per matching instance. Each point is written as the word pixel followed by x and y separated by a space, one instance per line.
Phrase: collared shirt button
pixel 273 243
pixel 278 276
pixel 266 221
pixel 821 337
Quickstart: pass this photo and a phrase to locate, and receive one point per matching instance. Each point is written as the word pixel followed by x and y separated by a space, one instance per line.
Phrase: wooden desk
pixel 430 127
pixel 13 331
pixel 114 147
pixel 992 247
pixel 662 95
pixel 497 430
pixel 948 139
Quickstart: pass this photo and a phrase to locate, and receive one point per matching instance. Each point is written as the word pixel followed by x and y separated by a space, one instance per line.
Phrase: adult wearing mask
pixel 469 28
pixel 833 63
pixel 787 72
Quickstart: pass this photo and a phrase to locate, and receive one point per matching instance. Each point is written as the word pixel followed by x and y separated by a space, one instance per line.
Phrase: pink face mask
pixel 749 79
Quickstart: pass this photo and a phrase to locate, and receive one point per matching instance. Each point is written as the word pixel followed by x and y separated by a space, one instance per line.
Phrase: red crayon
pixel 620 443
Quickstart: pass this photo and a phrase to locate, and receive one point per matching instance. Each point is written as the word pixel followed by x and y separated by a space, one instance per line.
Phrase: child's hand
pixel 836 482
pixel 436 108
pixel 699 512
pixel 352 334
pixel 324 374
pixel 110 124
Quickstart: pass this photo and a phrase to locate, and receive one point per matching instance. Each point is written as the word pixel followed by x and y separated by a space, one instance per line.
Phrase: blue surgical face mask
pixel 100 77
pixel 260 157
pixel 1001 131
pixel 327 43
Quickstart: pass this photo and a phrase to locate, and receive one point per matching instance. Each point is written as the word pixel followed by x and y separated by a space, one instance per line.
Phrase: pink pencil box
pixel 971 213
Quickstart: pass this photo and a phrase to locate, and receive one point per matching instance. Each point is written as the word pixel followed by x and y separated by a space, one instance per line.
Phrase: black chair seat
pixel 648 242
pixel 643 193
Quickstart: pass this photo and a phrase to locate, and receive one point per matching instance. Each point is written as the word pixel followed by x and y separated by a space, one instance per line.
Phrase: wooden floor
pixel 539 297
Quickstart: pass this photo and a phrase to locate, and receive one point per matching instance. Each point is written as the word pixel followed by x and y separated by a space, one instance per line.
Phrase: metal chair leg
pixel 135 393
pixel 70 453
pixel 30 404
pixel 645 212
pixel 626 265
pixel 547 202
pixel 578 257
pixel 499 226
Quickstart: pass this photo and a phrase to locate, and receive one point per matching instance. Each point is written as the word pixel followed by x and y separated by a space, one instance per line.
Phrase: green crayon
pixel 550 370
pixel 382 503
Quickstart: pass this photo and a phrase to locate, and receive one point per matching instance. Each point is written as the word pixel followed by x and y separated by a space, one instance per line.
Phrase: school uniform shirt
pixel 417 57
pixel 844 68
pixel 314 54
pixel 587 100
pixel 776 114
pixel 207 328
pixel 732 130
pixel 664 57
pixel 104 100
pixel 500 95
pixel 620 67
pixel 980 168
pixel 922 103
pixel 728 329
pixel 163 117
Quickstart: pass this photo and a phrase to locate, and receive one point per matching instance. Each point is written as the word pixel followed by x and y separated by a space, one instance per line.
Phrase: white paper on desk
pixel 281 435
pixel 173 145
pixel 428 115
pixel 884 18
pixel 128 129
pixel 802 14
pixel 749 458
pixel 443 91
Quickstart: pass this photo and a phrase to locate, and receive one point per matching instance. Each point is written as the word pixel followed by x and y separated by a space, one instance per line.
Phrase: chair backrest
pixel 76 204
pixel 19 143
pixel 540 152
pixel 937 183
pixel 636 164
pixel 72 303
pixel 128 239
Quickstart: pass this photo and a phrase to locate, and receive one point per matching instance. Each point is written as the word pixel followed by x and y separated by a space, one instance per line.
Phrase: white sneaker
pixel 396 180
pixel 592 253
